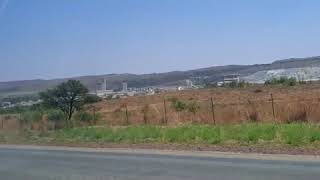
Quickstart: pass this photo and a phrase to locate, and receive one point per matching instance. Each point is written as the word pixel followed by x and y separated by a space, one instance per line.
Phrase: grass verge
pixel 243 134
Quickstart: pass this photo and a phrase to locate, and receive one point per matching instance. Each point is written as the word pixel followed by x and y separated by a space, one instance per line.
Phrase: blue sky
pixel 44 39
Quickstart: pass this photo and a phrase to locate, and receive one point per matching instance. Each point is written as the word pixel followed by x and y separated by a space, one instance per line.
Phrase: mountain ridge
pixel 207 74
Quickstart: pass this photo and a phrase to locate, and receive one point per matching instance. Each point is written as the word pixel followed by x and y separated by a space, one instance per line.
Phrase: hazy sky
pixel 62 38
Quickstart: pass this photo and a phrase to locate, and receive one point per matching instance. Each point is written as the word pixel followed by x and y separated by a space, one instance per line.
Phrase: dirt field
pixel 229 106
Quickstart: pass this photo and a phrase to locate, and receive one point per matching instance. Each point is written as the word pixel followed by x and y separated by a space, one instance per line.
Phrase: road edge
pixel 210 154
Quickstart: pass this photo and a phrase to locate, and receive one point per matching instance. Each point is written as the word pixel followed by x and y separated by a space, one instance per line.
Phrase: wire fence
pixel 209 110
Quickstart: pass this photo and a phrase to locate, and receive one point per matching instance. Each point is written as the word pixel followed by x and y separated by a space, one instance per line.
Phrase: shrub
pixel 83 116
pixel 55 115
pixel 179 106
pixel 90 98
pixel 193 107
pixel 299 116
pixel 234 84
pixel 258 91
pixel 145 110
pixel 253 116
pixel 282 81
pixel 31 116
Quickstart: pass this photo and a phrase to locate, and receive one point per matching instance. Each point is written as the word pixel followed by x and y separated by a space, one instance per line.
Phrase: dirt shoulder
pixel 251 149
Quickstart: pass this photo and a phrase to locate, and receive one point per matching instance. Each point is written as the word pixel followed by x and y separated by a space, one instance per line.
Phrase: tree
pixel 68 97
pixel 145 110
pixel 178 106
pixel 193 107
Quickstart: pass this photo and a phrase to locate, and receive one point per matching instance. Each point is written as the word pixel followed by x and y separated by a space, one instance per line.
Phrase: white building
pixel 125 87
pixel 231 78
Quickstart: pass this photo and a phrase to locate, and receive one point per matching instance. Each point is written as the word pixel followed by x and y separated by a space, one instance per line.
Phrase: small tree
pixel 145 111
pixel 68 97
pixel 193 107
pixel 178 106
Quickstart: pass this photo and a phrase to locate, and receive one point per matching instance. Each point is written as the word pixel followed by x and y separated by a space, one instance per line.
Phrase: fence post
pixel 165 111
pixel 212 110
pixel 273 112
pixel 94 115
pixel 127 116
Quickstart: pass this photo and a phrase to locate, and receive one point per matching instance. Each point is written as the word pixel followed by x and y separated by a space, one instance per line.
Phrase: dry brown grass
pixel 297 104
pixel 9 122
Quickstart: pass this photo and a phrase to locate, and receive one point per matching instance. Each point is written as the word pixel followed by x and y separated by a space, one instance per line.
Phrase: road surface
pixel 77 164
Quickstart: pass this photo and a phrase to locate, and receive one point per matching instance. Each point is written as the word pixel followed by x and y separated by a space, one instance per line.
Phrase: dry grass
pixel 231 106
pixel 295 104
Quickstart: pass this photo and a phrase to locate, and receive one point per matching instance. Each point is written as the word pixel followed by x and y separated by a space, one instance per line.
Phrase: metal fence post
pixel 273 112
pixel 165 111
pixel 212 110
pixel 127 116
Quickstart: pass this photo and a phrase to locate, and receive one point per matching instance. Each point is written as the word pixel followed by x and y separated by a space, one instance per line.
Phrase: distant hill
pixel 210 74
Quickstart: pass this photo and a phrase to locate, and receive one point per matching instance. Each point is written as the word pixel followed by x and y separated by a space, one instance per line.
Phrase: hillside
pixel 206 75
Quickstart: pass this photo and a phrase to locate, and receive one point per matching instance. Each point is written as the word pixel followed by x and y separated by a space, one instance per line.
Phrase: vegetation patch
pixel 252 133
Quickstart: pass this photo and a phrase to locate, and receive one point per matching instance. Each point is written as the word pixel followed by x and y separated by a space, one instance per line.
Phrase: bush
pixel 299 116
pixel 31 116
pixel 253 116
pixel 90 99
pixel 55 115
pixel 83 116
pixel 258 91
pixel 179 105
pixel 193 107
pixel 282 81
pixel 234 84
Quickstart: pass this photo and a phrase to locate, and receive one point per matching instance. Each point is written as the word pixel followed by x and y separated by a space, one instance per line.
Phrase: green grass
pixel 252 133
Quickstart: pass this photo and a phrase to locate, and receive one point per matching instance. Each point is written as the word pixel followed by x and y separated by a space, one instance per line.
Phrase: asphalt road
pixel 35 164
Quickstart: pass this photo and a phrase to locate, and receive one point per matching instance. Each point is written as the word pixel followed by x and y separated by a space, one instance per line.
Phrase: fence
pixel 209 111
pixel 212 110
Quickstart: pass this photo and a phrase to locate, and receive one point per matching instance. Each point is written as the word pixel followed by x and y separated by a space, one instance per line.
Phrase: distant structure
pixel 101 88
pixel 228 79
pixel 104 84
pixel 101 85
pixel 125 87
pixel 189 83
pixel 231 78
pixel 102 91
pixel 301 74
pixel 187 86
